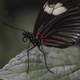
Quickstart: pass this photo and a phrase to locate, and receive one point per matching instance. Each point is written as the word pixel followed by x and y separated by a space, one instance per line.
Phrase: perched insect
pixel 58 25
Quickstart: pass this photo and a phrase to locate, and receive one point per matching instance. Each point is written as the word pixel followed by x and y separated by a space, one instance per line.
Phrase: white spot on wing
pixel 58 5
pixel 59 11
pixel 48 9
pixel 55 10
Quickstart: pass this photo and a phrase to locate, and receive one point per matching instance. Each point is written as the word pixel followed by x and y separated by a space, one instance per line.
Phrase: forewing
pixel 45 22
pixel 59 31
pixel 64 32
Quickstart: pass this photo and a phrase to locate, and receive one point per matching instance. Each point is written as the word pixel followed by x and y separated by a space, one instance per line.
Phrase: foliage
pixel 63 62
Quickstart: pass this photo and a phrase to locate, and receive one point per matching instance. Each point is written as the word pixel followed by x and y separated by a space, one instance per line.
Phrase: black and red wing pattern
pixel 59 31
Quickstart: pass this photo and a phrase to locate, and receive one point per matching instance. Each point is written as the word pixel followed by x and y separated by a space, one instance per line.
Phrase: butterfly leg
pixel 46 65
pixel 28 57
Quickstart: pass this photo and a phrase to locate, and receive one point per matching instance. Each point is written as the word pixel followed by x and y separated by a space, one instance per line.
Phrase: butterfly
pixel 57 25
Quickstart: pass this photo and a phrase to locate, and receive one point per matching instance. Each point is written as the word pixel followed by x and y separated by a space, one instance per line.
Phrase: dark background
pixel 21 14
pixel 17 5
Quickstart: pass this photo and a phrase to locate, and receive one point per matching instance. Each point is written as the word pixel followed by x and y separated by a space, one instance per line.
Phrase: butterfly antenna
pixel 46 65
pixel 12 26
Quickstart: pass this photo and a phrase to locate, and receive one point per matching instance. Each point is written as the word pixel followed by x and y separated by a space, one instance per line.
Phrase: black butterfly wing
pixel 41 21
pixel 64 31
pixel 45 19
pixel 59 31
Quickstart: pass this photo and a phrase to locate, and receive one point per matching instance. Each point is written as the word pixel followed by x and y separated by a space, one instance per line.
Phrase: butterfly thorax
pixel 32 39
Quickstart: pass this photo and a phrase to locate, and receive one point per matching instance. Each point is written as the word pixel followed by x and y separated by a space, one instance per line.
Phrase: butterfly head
pixel 27 35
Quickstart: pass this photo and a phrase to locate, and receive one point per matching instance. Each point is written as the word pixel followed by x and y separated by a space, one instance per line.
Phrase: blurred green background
pixel 21 14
